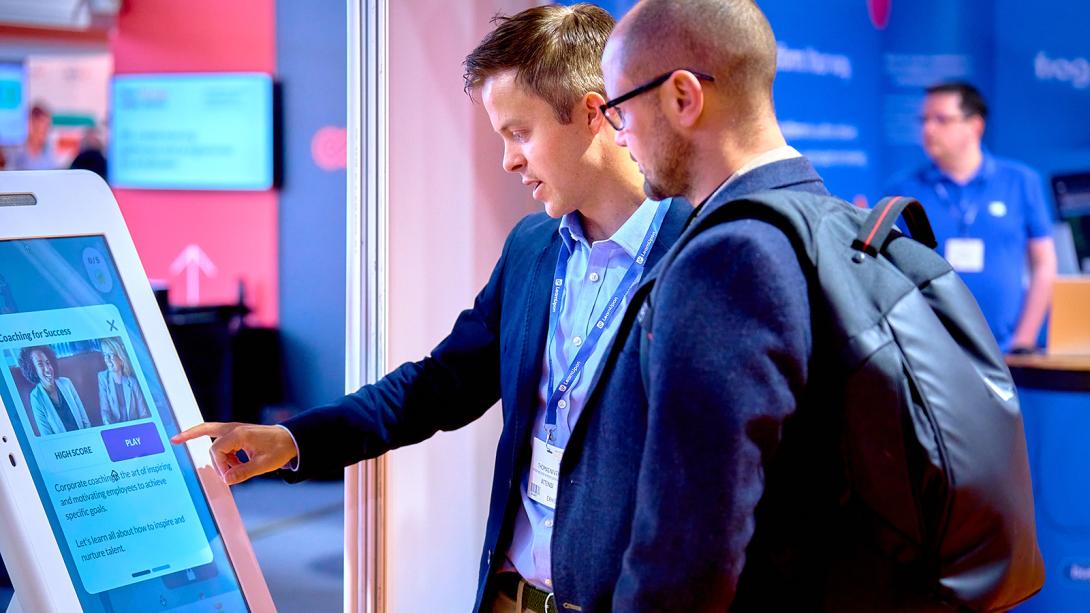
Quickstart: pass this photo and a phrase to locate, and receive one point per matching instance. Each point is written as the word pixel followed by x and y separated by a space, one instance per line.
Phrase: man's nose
pixel 512 159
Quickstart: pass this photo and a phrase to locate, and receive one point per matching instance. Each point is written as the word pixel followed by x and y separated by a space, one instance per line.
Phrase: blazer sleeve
pixel 42 407
pixel 453 386
pixel 139 404
pixel 728 361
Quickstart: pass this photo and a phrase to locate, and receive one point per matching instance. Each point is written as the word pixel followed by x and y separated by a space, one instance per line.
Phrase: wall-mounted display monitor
pixel 13 107
pixel 211 131
pixel 1072 193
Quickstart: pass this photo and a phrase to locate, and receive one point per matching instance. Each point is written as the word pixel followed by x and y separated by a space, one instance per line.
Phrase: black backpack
pixel 930 444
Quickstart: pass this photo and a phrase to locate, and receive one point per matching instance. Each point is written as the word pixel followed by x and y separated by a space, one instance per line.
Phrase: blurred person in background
pixel 91 154
pixel 988 213
pixel 36 153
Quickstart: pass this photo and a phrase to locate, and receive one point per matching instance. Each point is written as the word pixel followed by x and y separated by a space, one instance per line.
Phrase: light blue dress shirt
pixel 593 275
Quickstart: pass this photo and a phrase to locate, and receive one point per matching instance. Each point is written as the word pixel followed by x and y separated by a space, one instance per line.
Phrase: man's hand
pixel 266 448
pixel 1042 275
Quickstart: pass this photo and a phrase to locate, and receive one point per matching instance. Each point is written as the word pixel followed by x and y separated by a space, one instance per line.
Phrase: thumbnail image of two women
pixel 57 406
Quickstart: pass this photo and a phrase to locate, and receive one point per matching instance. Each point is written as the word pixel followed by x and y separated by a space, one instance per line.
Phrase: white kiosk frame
pixel 78 203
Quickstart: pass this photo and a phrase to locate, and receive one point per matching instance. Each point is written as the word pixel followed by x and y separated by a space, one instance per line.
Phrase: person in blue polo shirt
pixel 988 213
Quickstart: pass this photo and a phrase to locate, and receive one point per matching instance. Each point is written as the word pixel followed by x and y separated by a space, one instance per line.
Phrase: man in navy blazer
pixel 551 306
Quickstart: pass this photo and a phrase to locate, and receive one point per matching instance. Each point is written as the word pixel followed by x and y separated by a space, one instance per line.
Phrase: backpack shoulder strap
pixel 875 231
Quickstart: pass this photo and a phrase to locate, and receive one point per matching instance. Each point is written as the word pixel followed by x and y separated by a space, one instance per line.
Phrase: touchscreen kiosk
pixel 101 513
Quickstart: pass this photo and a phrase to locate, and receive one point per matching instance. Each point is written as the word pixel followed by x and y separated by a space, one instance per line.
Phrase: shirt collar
pixel 783 152
pixel 628 237
pixel 934 174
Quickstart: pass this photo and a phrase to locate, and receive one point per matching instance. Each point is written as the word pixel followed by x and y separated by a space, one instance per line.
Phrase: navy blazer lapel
pixel 534 331
pixel 672 225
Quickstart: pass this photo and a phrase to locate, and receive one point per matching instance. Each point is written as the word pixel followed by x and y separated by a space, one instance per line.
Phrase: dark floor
pixel 298 535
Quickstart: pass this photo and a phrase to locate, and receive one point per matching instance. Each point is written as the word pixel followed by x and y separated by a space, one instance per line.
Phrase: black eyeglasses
pixel 613 113
pixel 942 120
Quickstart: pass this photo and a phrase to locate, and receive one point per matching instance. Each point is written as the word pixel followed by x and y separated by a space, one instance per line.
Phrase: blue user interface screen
pixel 192 131
pixel 92 417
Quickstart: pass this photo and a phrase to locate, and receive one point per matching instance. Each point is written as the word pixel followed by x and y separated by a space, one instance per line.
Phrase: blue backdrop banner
pixel 852 75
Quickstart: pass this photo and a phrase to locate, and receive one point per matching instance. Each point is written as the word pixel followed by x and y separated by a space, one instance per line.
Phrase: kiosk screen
pixel 90 412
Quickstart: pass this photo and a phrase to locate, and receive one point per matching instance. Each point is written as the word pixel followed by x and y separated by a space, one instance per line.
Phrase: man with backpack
pixel 739 386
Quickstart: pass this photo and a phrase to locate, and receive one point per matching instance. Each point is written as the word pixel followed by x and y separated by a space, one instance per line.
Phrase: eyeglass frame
pixel 642 89
pixel 945 120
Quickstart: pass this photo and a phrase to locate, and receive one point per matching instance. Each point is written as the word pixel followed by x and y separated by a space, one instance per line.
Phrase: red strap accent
pixel 877 224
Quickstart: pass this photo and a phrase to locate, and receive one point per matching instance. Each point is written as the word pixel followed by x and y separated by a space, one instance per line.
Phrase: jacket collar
pixel 629 237
pixel 795 173
pixel 932 174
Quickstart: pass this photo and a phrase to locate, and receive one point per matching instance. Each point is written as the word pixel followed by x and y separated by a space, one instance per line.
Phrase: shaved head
pixel 689 132
pixel 729 39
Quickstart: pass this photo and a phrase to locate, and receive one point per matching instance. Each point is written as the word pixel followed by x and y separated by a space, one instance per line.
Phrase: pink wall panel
pixel 195 35
pixel 451 206
pixel 237 230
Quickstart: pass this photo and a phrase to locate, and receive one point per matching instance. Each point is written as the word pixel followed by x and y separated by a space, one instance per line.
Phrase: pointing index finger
pixel 211 428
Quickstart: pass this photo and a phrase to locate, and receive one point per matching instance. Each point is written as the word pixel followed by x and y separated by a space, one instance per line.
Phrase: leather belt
pixel 533 599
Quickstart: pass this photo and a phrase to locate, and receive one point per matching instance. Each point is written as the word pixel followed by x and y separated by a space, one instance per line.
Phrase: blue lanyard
pixel 965 216
pixel 557 303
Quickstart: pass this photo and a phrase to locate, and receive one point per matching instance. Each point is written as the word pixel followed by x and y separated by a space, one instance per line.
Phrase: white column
pixel 415 521
pixel 365 338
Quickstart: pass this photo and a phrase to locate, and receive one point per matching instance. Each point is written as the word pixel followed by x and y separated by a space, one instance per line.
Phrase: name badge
pixel 544 473
pixel 965 254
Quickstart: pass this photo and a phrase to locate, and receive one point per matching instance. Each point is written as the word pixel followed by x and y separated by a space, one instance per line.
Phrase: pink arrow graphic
pixel 193 261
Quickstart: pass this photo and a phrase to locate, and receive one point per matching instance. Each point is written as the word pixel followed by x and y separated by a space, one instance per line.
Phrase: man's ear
pixel 588 110
pixel 683 94
pixel 978 125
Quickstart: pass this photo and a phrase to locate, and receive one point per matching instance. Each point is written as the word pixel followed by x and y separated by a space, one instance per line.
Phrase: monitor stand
pixel 13 606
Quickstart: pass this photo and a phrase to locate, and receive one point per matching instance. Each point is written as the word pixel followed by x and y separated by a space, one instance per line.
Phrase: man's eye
pixel 520 136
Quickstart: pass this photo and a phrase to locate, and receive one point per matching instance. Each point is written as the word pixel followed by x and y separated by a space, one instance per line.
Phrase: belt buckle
pixel 551 595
